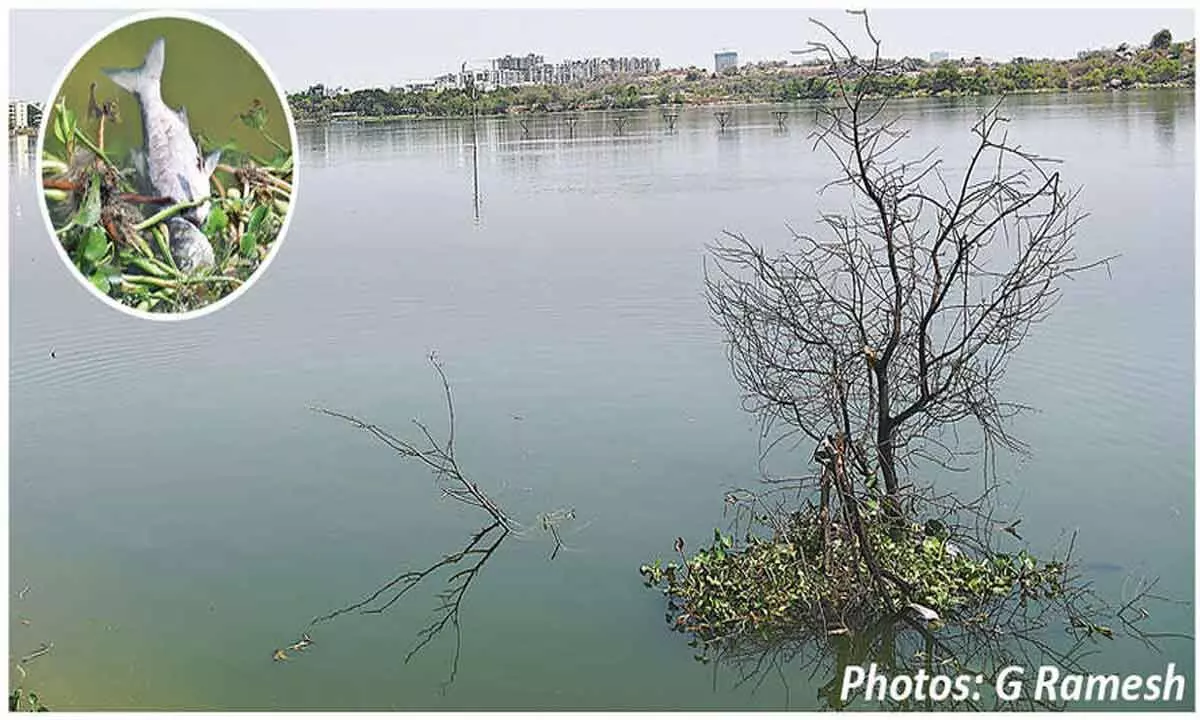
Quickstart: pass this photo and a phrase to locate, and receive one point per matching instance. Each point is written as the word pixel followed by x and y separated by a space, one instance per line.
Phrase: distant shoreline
pixel 374 119
pixel 1159 63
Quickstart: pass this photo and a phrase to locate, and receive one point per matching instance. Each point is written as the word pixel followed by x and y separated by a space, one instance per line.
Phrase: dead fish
pixel 279 656
pixel 174 167
pixel 190 248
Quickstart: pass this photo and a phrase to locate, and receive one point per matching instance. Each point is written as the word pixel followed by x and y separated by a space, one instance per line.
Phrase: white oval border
pixel 291 123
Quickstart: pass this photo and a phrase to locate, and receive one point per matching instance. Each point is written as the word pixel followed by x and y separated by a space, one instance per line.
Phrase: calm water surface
pixel 177 513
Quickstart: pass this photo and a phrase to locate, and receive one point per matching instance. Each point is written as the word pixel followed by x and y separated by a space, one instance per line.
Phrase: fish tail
pixel 145 79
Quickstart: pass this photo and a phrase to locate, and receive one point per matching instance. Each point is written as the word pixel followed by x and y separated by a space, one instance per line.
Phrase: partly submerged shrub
pixel 796 583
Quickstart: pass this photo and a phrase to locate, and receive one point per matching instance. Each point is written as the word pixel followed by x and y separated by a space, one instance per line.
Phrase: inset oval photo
pixel 167 166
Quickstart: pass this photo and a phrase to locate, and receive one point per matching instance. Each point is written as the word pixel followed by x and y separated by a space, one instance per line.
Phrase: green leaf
pixel 256 218
pixel 95 244
pixel 100 280
pixel 217 221
pixel 256 116
pixel 249 244
pixel 60 131
pixel 89 211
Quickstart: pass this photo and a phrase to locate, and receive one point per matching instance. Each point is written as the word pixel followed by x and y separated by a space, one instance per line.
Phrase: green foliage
pixel 763 83
pixel 127 256
pixel 1161 40
pixel 21 700
pixel 765 588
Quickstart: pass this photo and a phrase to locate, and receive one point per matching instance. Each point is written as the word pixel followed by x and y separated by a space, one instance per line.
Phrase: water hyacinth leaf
pixel 95 244
pixel 217 221
pixel 112 272
pixel 89 211
pixel 283 162
pixel 256 219
pixel 249 244
pixel 256 116
pixel 100 280
pixel 60 132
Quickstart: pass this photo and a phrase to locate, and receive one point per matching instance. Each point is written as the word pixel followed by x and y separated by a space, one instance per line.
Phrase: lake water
pixel 177 512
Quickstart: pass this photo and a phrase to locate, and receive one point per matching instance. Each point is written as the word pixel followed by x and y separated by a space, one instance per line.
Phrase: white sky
pixel 369 48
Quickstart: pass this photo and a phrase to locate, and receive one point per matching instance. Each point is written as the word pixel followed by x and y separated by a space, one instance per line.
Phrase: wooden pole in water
pixel 670 116
pixel 474 141
pixel 722 117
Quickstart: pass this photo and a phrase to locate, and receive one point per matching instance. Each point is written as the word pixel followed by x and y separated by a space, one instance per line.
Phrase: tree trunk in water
pixel 884 451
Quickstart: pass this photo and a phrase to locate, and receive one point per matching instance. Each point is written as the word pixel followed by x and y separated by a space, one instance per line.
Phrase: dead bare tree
pixel 880 339
pixel 894 323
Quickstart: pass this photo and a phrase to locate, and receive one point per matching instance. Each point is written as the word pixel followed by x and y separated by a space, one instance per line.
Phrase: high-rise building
pixel 18 115
pixel 725 60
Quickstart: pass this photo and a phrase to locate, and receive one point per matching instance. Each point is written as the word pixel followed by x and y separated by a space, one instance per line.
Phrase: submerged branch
pixel 464 565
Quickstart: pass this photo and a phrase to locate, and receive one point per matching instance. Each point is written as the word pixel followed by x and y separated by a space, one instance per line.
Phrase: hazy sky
pixel 361 48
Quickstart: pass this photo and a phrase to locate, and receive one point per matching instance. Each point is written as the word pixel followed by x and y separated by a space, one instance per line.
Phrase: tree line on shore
pixel 1162 62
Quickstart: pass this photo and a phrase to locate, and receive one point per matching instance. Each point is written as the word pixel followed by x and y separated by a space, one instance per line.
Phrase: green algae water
pixel 177 513
pixel 206 72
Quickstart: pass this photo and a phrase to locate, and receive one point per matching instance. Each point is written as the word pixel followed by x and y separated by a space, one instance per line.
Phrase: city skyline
pixel 410 46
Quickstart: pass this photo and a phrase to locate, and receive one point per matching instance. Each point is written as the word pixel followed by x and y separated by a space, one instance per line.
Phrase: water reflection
pixel 1167 107
pixel 21 149
pixel 460 568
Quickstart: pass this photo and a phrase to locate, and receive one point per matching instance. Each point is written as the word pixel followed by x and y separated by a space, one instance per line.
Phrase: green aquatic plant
pixel 120 239
pixel 802 595
pixel 770 586
pixel 21 699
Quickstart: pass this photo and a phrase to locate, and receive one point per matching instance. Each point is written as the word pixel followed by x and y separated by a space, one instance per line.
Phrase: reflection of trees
pixel 1165 105
pixel 314 138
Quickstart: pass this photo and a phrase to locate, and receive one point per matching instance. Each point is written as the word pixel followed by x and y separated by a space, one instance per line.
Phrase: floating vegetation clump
pixel 137 248
pixel 841 584
pixel 795 582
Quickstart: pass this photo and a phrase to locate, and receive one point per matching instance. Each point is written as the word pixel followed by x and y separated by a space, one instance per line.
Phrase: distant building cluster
pixel 722 61
pixel 23 115
pixel 531 69
pixel 939 56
